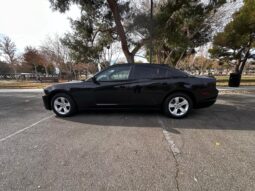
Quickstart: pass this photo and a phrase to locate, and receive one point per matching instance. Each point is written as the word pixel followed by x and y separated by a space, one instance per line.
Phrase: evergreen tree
pixel 101 23
pixel 237 39
pixel 180 27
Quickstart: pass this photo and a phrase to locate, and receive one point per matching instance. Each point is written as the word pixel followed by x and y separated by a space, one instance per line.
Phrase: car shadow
pixel 221 116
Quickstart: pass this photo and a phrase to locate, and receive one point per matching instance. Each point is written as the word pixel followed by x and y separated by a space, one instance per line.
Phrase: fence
pixel 30 76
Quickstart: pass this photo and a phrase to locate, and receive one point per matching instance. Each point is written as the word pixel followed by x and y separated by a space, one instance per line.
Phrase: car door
pixel 112 89
pixel 150 84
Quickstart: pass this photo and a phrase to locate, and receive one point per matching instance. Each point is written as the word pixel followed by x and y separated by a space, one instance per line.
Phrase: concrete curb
pixel 242 88
pixel 21 90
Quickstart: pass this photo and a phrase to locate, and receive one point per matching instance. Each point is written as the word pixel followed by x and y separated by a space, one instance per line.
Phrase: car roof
pixel 141 64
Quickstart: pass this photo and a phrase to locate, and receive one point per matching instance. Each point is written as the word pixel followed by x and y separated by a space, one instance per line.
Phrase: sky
pixel 29 22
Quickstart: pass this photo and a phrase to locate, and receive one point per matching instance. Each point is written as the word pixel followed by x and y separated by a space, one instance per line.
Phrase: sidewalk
pixel 246 88
pixel 21 90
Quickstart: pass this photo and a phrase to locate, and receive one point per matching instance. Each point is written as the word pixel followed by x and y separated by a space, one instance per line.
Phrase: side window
pixel 114 74
pixel 149 72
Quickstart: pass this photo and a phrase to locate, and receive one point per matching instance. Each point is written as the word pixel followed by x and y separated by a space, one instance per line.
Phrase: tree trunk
pixel 46 70
pixel 14 70
pixel 244 61
pixel 237 67
pixel 120 30
pixel 35 67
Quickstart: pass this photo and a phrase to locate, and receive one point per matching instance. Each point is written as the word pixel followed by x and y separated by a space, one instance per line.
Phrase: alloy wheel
pixel 62 105
pixel 178 106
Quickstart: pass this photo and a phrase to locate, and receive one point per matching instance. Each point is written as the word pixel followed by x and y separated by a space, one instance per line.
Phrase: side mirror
pixel 94 80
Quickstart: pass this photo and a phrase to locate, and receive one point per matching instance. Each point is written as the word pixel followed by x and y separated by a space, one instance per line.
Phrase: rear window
pixel 149 72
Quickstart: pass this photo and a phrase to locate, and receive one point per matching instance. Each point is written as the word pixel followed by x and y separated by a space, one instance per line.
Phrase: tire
pixel 178 105
pixel 63 105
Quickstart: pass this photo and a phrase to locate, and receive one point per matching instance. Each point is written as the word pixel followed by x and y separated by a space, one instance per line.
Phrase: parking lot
pixel 212 149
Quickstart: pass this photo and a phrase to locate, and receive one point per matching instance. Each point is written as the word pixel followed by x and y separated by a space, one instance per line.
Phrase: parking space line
pixel 175 150
pixel 24 129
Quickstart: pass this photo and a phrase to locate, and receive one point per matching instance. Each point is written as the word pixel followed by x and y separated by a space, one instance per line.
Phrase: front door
pixel 113 87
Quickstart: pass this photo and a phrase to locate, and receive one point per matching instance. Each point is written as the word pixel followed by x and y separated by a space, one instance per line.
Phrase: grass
pixel 13 84
pixel 246 80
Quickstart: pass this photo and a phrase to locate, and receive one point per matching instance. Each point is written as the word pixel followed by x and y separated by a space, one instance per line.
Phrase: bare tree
pixel 57 54
pixel 8 49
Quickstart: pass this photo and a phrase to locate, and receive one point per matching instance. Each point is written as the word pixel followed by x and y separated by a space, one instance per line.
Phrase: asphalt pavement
pixel 212 149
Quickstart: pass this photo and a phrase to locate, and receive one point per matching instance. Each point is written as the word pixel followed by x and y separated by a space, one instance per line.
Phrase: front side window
pixel 114 74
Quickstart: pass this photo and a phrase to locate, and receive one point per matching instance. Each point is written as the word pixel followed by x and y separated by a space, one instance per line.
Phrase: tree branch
pixel 139 46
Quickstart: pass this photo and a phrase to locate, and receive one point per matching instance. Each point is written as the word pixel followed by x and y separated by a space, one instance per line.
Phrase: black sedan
pixel 134 86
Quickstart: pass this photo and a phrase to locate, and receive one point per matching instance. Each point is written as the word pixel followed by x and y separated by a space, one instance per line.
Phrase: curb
pixel 244 88
pixel 21 90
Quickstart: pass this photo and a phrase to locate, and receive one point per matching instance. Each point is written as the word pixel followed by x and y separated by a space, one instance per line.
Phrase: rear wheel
pixel 177 105
pixel 63 105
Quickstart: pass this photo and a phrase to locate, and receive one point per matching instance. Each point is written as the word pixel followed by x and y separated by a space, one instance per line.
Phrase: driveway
pixel 212 149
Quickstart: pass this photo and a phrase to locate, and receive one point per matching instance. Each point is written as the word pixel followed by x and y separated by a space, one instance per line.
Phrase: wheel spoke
pixel 175 111
pixel 182 110
pixel 62 100
pixel 58 108
pixel 184 102
pixel 57 102
pixel 66 110
pixel 171 105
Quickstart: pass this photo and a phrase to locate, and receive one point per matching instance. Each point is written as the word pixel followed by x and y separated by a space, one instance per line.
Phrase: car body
pixel 134 86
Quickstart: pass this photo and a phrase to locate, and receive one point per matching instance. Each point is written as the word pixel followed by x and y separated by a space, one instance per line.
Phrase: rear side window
pixel 149 72
pixel 156 72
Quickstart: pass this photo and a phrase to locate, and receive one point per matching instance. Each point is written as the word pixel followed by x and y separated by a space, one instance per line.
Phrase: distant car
pixel 134 86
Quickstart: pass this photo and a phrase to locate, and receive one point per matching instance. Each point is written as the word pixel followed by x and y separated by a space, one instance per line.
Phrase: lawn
pixel 13 84
pixel 246 80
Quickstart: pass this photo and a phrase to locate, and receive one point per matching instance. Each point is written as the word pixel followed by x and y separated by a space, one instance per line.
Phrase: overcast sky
pixel 28 22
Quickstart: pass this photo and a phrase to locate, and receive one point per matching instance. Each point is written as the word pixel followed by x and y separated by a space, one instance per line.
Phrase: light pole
pixel 151 29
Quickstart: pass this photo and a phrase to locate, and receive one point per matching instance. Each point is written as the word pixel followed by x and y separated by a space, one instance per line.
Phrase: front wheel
pixel 177 105
pixel 63 105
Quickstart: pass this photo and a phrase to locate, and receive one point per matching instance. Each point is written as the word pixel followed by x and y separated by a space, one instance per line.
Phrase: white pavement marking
pixel 21 90
pixel 169 139
pixel 24 129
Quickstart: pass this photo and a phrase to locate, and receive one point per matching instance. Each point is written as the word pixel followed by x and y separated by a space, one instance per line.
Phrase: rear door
pixel 150 84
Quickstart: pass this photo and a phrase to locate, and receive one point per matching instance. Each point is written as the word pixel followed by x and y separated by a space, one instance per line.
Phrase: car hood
pixel 64 85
